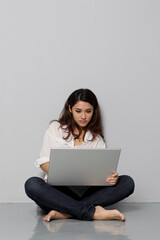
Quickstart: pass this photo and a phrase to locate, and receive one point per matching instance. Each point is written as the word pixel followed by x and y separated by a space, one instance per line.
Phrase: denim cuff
pixel 89 213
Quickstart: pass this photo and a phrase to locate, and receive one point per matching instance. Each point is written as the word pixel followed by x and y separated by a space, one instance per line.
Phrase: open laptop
pixel 82 167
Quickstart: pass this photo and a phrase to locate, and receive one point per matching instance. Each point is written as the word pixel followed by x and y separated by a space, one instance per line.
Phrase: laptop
pixel 82 167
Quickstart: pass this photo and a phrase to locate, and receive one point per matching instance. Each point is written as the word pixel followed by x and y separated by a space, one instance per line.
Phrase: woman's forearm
pixel 45 167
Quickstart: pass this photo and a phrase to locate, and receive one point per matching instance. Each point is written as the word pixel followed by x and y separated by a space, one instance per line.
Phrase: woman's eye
pixel 78 111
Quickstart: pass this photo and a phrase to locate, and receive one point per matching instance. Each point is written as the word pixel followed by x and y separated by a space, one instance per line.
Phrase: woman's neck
pixel 76 131
pixel 79 141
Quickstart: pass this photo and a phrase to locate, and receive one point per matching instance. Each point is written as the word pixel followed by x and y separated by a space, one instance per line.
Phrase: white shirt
pixel 53 138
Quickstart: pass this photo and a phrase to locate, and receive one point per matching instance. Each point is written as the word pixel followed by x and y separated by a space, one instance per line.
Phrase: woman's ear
pixel 70 108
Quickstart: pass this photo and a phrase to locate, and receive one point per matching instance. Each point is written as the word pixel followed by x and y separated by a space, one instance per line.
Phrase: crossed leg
pixel 89 208
pixel 99 214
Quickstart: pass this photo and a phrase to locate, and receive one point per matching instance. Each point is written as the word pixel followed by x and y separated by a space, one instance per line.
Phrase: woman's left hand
pixel 113 179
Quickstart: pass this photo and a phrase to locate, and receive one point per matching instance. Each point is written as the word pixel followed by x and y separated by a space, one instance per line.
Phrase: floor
pixel 24 221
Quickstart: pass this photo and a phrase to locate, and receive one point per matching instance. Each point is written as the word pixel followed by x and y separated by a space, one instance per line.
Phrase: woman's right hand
pixel 113 179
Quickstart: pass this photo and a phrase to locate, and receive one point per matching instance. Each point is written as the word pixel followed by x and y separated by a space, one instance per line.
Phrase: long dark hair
pixel 67 122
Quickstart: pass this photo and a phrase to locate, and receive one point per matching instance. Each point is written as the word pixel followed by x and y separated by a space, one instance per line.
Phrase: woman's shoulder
pixel 97 138
pixel 52 127
pixel 100 141
pixel 55 129
pixel 54 124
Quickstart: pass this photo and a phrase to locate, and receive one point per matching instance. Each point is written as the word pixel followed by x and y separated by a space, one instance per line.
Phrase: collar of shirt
pixel 88 136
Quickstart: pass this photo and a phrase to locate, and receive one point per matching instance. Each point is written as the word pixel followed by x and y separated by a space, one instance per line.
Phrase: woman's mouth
pixel 83 121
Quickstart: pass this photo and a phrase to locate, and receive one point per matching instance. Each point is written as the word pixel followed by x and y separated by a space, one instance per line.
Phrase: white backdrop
pixel 50 48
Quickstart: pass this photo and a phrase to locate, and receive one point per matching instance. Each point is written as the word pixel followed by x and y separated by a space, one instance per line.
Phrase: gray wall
pixel 50 48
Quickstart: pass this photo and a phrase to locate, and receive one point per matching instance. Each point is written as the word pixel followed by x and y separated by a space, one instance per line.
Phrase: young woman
pixel 79 126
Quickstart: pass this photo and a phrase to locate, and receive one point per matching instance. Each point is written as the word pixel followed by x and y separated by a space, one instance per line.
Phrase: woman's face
pixel 82 113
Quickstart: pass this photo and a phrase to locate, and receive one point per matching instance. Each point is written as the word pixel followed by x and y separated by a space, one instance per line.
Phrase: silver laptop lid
pixel 82 167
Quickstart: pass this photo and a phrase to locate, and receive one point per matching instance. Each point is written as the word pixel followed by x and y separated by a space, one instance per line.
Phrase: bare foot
pixel 53 214
pixel 103 214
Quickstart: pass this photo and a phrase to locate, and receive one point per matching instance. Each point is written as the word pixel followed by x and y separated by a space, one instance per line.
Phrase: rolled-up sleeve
pixel 45 150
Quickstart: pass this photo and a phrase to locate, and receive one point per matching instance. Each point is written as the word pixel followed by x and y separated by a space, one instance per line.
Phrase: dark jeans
pixel 64 200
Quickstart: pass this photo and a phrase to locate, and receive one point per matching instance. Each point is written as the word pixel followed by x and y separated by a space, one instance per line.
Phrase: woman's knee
pixel 129 182
pixel 32 185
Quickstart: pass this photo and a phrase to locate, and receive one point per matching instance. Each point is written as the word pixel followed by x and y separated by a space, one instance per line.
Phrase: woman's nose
pixel 83 116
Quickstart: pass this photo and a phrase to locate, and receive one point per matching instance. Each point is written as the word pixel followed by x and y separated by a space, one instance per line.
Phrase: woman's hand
pixel 113 179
